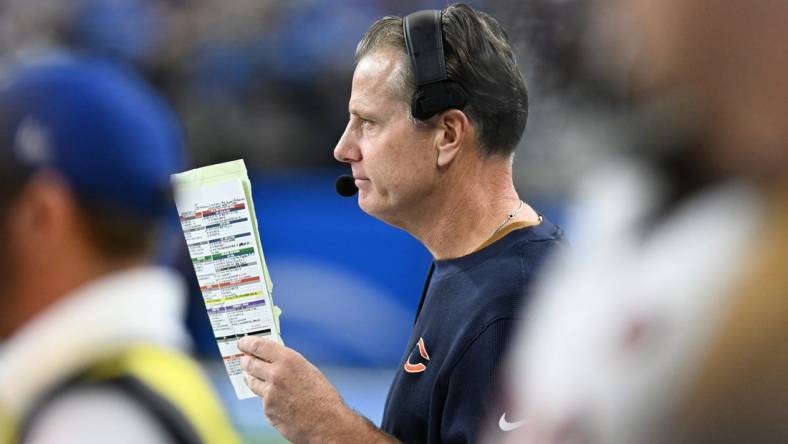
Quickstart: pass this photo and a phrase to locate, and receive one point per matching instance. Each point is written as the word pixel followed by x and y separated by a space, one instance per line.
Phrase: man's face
pixel 393 159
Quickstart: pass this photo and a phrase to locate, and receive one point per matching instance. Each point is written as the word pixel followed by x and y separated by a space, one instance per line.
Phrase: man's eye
pixel 366 123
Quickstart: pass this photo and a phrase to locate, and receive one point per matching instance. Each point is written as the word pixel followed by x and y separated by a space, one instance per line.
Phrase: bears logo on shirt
pixel 412 364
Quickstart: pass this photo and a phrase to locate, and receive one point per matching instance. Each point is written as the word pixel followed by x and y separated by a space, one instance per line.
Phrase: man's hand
pixel 298 400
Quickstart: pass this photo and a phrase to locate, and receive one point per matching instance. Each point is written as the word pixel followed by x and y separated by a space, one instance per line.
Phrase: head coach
pixel 437 108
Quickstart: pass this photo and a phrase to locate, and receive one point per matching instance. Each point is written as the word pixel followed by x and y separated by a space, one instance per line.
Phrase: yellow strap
pixel 171 375
pixel 176 378
pixel 8 425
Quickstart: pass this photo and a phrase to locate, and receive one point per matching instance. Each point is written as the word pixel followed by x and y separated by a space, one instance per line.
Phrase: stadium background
pixel 268 81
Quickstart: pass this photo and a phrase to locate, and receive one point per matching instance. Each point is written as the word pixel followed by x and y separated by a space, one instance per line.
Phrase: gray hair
pixel 480 58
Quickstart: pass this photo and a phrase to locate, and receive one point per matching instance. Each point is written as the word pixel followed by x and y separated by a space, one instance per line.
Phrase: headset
pixel 424 43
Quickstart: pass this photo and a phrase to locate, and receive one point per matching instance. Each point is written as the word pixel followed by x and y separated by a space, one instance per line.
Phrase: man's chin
pixel 367 204
pixel 381 211
pixel 371 204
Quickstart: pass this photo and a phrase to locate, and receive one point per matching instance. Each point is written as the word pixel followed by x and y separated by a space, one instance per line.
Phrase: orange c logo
pixel 419 367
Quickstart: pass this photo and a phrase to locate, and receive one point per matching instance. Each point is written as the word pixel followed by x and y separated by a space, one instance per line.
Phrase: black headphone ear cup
pixel 436 97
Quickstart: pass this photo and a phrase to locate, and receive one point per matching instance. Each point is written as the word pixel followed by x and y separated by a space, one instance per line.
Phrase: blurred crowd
pixel 266 81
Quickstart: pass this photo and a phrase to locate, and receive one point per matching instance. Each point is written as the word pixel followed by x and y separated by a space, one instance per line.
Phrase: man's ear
pixel 454 127
pixel 45 208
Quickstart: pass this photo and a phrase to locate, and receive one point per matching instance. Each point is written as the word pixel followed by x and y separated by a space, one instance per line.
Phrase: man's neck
pixel 467 212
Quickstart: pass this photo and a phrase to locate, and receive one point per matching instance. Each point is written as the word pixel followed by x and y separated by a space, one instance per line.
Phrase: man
pixel 447 180
pixel 682 336
pixel 93 335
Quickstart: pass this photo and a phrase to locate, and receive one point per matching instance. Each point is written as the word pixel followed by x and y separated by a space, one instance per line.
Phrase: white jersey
pixel 616 330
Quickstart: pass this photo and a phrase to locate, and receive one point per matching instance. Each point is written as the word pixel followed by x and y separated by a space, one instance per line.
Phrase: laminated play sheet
pixel 218 220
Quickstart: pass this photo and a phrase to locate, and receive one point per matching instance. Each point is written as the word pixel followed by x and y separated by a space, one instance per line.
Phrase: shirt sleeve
pixel 96 415
pixel 472 383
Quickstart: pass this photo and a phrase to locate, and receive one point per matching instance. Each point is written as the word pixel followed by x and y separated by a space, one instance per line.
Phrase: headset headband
pixel 424 43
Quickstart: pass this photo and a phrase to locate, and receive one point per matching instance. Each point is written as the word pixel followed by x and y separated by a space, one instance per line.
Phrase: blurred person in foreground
pixel 447 180
pixel 94 342
pixel 668 320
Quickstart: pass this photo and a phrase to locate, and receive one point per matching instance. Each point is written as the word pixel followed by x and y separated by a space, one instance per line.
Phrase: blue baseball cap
pixel 98 124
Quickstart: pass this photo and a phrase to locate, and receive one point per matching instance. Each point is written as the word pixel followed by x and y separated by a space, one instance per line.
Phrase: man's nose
pixel 347 149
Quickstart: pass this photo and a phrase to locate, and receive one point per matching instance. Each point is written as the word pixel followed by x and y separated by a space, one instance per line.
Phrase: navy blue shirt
pixel 469 311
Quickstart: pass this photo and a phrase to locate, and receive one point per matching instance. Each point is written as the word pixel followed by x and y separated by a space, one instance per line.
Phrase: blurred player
pixel 94 340
pixel 667 321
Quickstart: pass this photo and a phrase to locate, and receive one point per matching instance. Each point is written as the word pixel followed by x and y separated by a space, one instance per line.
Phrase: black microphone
pixel 346 185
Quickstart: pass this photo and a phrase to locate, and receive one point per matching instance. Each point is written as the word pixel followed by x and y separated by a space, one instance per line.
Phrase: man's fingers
pixel 263 348
pixel 256 367
pixel 256 385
